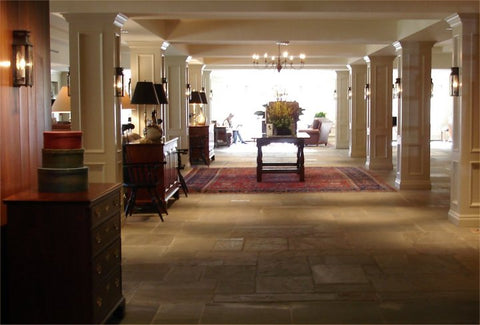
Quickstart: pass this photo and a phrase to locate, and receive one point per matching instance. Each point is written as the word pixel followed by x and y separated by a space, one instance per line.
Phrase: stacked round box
pixel 62 168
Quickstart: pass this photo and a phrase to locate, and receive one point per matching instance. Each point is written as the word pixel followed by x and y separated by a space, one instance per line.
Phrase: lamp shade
pixel 126 104
pixel 162 98
pixel 203 97
pixel 62 102
pixel 145 94
pixel 195 98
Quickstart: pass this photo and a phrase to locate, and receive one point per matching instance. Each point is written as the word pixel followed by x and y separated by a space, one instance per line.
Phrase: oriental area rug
pixel 317 179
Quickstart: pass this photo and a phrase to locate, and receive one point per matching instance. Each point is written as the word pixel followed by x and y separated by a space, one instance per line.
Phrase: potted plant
pixel 320 114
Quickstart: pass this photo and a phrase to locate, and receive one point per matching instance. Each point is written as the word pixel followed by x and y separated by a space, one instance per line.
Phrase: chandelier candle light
pixel 282 60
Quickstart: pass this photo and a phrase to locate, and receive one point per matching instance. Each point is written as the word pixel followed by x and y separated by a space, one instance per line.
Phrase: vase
pixel 283 131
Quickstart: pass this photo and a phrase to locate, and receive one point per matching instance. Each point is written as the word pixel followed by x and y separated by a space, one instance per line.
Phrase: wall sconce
pixel 455 82
pixel 431 87
pixel 119 82
pixel 165 86
pixel 349 92
pixel 366 91
pixel 22 58
pixel 397 88
pixel 68 81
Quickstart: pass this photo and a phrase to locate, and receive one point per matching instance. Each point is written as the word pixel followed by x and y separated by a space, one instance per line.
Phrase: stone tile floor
pixel 381 257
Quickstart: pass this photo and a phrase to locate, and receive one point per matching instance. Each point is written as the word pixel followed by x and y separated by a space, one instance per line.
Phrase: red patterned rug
pixel 317 179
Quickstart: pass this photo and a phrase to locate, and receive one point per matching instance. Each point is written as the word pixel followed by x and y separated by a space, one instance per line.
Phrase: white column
pixel 207 85
pixel 379 113
pixel 177 112
pixel 357 111
pixel 465 178
pixel 413 139
pixel 145 65
pixel 341 124
pixel 94 54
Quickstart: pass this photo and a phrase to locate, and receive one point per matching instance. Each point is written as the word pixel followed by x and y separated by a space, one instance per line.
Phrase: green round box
pixel 62 158
pixel 63 180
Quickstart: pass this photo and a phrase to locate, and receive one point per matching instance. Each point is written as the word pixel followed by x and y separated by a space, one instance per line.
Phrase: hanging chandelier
pixel 281 60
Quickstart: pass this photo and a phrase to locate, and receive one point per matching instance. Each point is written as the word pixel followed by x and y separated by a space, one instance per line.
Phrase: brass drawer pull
pixel 99 301
pixel 117 282
pixel 98 238
pixel 99 269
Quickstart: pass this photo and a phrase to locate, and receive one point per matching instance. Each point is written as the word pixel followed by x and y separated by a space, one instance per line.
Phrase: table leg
pixel 301 162
pixel 259 162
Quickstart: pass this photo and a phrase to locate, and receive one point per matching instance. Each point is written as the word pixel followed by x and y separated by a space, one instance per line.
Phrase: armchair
pixel 318 132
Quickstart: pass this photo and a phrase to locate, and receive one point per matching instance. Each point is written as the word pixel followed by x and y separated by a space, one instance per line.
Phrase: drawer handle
pixel 117 282
pixel 116 203
pixel 107 208
pixel 99 269
pixel 107 229
pixel 117 254
pixel 115 226
pixel 97 213
pixel 99 301
pixel 98 238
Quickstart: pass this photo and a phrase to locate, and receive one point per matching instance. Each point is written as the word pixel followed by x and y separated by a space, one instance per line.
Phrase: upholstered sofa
pixel 318 132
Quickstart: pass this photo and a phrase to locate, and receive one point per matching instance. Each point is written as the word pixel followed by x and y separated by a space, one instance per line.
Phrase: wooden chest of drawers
pixel 64 256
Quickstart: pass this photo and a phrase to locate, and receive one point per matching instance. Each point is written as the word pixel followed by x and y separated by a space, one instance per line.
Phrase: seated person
pixel 235 128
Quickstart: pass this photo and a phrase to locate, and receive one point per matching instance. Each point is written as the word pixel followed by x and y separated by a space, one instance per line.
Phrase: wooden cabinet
pixel 166 153
pixel 222 136
pixel 64 256
pixel 202 143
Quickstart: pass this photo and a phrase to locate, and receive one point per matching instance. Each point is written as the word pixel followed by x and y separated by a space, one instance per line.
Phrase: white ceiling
pixel 332 33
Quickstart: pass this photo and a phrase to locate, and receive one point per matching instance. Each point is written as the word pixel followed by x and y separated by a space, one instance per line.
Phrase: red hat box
pixel 62 139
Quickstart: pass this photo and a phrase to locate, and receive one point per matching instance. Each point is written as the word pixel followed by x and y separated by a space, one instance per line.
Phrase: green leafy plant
pixel 320 114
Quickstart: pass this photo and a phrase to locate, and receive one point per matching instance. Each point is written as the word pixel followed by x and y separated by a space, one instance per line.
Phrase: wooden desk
pixel 281 167
pixel 156 153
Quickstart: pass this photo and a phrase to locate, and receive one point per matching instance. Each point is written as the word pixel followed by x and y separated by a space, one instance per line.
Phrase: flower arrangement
pixel 283 114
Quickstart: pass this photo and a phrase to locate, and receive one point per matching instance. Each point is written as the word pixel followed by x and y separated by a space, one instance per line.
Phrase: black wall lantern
pixel 22 59
pixel 366 91
pixel 455 82
pixel 119 82
pixel 397 88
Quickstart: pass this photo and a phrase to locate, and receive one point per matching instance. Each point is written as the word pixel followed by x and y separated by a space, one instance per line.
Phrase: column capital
pixel 93 20
pixel 458 19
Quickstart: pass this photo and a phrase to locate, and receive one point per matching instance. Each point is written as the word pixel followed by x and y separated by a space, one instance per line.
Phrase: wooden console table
pixel 281 167
pixel 202 143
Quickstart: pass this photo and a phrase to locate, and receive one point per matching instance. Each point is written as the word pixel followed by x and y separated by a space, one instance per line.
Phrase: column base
pixel 413 184
pixel 464 220
pixel 380 165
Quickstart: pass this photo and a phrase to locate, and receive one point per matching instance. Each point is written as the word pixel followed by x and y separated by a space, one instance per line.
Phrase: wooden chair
pixel 143 176
pixel 180 167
